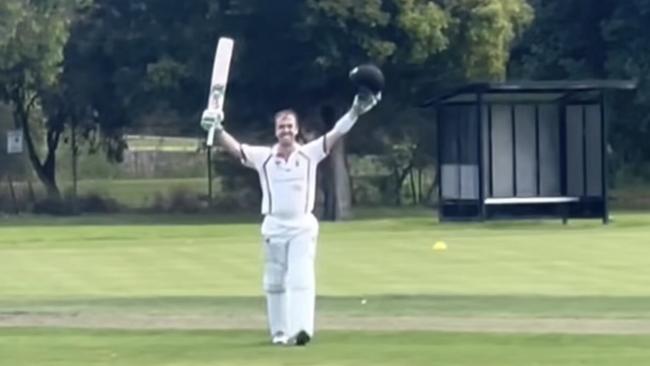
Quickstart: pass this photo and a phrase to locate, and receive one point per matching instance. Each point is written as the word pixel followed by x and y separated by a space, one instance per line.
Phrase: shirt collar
pixel 275 148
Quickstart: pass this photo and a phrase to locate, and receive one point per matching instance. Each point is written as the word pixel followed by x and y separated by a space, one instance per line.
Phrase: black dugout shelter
pixel 524 149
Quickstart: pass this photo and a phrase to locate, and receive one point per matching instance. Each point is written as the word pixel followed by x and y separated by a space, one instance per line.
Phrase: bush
pixel 65 206
pixel 53 206
pixel 180 200
pixel 6 204
pixel 632 175
pixel 367 190
pixel 23 197
pixel 240 186
pixel 96 203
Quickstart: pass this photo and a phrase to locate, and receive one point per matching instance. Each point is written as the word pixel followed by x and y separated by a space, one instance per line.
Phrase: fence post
pixel 14 200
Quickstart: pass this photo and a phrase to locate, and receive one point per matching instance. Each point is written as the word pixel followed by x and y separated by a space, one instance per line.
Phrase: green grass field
pixel 135 290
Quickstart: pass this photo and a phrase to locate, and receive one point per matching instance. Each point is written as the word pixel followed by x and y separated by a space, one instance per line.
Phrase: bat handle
pixel 210 140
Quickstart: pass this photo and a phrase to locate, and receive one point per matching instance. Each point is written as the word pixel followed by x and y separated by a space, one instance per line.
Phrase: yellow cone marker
pixel 439 246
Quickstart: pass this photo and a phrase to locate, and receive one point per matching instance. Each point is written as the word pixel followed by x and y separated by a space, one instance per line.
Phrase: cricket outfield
pixel 187 291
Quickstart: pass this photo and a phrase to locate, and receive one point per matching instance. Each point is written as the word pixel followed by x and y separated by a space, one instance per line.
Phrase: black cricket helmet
pixel 368 76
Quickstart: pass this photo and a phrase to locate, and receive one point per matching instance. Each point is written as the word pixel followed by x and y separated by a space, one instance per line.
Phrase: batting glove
pixel 212 118
pixel 365 101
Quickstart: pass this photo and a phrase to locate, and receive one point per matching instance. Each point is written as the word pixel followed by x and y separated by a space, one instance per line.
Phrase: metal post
pixel 74 162
pixel 584 151
pixel 514 150
pixel 440 135
pixel 479 154
pixel 538 163
pixel 490 157
pixel 604 160
pixel 458 130
pixel 563 159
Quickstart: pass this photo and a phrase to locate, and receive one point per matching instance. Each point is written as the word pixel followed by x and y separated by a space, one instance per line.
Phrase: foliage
pixel 31 55
pixel 483 32
pixel 143 64
pixel 604 39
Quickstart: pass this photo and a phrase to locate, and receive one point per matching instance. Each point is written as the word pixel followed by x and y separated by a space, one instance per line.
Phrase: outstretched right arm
pixel 232 146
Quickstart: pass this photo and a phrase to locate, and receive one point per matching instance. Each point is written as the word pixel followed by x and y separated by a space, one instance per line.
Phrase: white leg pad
pixel 275 269
pixel 301 284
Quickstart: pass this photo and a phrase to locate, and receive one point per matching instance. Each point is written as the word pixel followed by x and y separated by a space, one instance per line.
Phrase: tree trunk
pixel 399 182
pixel 432 189
pixel 420 185
pixel 397 189
pixel 46 171
pixel 336 184
pixel 14 200
pixel 414 194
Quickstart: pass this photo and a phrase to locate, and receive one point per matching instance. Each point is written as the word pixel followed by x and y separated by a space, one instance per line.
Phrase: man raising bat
pixel 287 173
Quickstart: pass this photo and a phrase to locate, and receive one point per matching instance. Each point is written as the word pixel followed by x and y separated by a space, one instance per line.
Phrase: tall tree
pixel 31 55
pixel 566 40
pixel 628 56
pixel 603 39
pixel 149 60
pixel 483 33
pixel 420 44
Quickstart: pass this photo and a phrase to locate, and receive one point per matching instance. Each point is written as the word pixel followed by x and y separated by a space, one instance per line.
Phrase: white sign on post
pixel 15 142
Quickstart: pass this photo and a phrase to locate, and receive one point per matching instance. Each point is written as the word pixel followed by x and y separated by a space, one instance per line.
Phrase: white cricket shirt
pixel 288 185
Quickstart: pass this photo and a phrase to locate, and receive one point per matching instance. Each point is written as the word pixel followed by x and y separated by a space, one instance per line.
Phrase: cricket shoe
pixel 301 339
pixel 280 339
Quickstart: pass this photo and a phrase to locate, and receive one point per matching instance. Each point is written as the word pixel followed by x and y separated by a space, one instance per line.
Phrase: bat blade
pixel 220 71
pixel 219 79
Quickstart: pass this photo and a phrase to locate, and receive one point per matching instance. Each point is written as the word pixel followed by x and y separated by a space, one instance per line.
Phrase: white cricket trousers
pixel 289 275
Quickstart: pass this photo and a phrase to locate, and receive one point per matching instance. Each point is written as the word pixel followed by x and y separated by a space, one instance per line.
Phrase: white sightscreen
pixel 531 144
pixel 549 151
pixel 502 149
pixel 593 135
pixel 574 151
pixel 525 148
pixel 459 153
pixel 584 150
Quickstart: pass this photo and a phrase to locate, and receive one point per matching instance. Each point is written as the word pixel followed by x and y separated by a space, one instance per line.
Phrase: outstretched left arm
pixel 361 104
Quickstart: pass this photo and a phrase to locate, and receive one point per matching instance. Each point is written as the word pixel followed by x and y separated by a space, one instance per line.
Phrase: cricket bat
pixel 219 80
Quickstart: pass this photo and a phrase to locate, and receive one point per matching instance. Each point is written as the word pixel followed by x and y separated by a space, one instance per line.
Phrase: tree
pixel 418 43
pixel 604 39
pixel 566 41
pixel 482 35
pixel 149 60
pixel 627 49
pixel 31 54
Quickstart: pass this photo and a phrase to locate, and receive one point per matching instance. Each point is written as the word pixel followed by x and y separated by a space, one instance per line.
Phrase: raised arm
pixel 362 103
pixel 232 146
